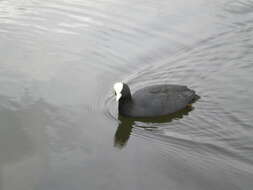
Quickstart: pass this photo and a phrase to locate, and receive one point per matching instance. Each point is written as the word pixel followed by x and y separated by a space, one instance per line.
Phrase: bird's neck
pixel 124 102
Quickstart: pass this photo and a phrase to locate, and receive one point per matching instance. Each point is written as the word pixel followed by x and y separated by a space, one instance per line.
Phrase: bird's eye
pixel 115 93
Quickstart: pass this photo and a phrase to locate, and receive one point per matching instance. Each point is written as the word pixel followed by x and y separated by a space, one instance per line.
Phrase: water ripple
pixel 62 57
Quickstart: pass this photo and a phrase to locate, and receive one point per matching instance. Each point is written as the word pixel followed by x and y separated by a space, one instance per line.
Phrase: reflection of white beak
pixel 118 96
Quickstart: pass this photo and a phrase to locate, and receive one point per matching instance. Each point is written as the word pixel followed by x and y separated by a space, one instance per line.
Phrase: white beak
pixel 118 96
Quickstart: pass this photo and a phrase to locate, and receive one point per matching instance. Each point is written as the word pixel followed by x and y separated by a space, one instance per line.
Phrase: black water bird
pixel 152 101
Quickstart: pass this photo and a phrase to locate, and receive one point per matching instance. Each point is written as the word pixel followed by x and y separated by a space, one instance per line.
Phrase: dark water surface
pixel 59 127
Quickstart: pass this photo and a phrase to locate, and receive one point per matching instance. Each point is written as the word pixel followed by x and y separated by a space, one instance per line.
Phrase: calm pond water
pixel 59 126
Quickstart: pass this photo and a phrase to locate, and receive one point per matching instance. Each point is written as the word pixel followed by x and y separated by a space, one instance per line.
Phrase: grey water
pixel 59 125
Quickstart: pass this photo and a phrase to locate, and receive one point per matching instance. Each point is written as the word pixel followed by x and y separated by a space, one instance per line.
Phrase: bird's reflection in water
pixel 126 125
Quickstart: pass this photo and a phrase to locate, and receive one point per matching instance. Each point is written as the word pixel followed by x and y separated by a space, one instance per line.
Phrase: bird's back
pixel 158 100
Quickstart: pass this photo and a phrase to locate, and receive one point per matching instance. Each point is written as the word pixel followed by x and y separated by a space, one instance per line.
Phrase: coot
pixel 152 101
